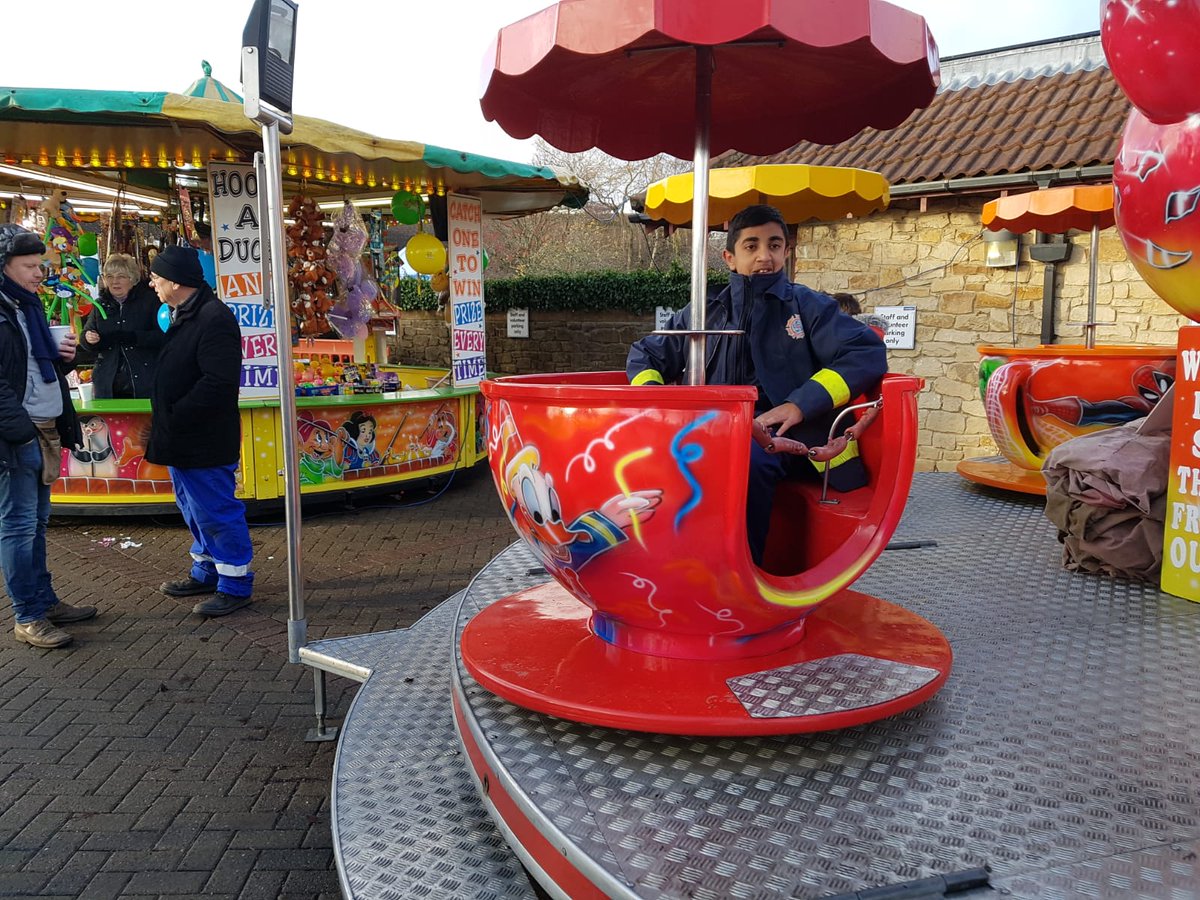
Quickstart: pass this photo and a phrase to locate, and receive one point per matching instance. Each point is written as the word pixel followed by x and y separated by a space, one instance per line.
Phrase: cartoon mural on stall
pixel 358 441
pixel 95 458
pixel 374 441
pixel 114 451
pixel 111 461
pixel 317 448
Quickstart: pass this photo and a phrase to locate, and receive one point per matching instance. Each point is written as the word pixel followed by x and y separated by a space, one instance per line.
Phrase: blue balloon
pixel 164 317
pixel 91 268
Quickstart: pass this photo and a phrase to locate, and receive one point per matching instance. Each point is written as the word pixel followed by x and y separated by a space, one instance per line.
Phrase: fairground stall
pixel 159 167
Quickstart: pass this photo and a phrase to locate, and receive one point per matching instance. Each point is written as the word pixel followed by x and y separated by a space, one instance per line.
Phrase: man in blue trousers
pixel 195 431
pixel 805 356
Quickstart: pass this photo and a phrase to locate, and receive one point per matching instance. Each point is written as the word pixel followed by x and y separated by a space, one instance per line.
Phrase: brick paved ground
pixel 163 755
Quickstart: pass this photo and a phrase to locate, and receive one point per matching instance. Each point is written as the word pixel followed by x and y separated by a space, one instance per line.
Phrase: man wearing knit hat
pixel 36 419
pixel 195 430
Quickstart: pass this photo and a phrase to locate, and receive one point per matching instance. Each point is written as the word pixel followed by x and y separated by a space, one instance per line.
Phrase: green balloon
pixel 987 366
pixel 87 244
pixel 408 208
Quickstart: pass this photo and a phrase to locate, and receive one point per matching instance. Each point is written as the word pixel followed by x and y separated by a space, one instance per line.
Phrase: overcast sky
pixel 395 68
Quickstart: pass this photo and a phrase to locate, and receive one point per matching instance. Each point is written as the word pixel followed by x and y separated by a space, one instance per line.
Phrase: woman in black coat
pixel 127 338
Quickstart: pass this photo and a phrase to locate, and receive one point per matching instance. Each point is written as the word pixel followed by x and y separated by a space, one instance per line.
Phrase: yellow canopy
pixel 102 133
pixel 799 192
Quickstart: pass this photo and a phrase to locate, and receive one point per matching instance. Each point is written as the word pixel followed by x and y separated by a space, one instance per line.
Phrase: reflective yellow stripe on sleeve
pixel 648 376
pixel 835 385
pixel 851 452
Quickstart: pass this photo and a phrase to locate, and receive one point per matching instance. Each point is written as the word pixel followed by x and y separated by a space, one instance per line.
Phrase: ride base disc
pixel 860 659
pixel 998 472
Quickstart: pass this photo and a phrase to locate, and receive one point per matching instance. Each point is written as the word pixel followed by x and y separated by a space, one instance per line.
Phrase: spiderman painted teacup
pixel 1039 397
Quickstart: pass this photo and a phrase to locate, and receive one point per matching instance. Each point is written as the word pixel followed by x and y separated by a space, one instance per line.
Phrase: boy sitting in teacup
pixel 805 357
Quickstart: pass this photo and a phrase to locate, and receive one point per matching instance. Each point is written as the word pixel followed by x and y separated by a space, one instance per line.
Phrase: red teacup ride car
pixel 634 498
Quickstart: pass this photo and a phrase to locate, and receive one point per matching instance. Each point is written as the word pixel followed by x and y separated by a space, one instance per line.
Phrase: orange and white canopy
pixel 1053 211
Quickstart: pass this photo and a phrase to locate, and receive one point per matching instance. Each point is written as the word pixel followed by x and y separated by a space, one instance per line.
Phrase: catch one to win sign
pixel 467 339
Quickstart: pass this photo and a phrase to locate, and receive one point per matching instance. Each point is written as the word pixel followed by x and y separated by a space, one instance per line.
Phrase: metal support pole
pixel 1016 287
pixel 1093 266
pixel 697 343
pixel 322 732
pixel 277 263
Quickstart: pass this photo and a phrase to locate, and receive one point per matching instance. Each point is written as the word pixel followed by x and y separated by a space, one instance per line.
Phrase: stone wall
pixel 932 259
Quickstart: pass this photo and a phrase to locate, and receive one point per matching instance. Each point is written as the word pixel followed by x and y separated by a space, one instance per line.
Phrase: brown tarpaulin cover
pixel 1106 492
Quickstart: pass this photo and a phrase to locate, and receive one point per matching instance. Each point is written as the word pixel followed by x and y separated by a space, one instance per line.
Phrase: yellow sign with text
pixel 1181 539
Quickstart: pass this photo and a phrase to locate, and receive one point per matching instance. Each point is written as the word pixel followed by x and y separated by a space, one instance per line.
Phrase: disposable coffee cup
pixel 87 391
pixel 58 332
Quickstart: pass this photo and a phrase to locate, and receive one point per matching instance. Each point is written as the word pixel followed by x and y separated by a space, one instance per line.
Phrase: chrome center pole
pixel 697 343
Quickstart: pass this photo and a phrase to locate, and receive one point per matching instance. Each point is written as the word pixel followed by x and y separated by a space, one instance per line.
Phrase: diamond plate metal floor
pixel 1061 752
pixel 407 821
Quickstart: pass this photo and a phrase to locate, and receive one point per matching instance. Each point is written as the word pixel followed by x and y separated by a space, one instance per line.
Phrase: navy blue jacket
pixel 799 345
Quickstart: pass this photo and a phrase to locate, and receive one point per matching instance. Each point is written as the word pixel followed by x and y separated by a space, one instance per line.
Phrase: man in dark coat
pixel 805 357
pixel 36 419
pixel 195 430
pixel 126 337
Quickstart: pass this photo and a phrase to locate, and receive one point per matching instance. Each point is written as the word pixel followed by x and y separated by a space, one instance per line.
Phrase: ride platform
pixel 998 472
pixel 1061 752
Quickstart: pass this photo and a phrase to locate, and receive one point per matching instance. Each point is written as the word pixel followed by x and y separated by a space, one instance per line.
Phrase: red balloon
pixel 1156 179
pixel 1151 49
pixel 85 309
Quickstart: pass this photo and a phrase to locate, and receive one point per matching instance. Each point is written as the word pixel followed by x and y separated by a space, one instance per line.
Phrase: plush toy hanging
pixel 313 283
pixel 66 290
pixel 354 306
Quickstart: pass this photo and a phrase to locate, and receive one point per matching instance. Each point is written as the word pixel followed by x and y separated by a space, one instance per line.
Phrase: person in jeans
pixel 36 419
pixel 125 334
pixel 195 430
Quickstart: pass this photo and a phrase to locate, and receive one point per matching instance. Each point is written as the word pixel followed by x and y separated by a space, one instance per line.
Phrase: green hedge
pixel 633 292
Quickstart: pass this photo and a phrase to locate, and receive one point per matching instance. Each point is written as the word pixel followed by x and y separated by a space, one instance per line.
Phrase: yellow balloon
pixel 425 254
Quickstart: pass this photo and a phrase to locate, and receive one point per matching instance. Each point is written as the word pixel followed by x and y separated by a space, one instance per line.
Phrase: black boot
pixel 220 604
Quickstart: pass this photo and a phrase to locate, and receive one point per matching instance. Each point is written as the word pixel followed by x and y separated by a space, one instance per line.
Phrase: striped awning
pixel 210 88
pixel 108 132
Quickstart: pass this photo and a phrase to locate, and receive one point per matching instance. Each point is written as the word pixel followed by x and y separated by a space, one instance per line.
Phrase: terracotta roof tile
pixel 1049 121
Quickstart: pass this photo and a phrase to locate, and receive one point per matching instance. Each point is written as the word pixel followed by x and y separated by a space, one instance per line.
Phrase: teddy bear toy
pixel 313 282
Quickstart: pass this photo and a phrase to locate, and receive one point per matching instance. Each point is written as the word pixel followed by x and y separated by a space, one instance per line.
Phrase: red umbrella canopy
pixel 620 75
